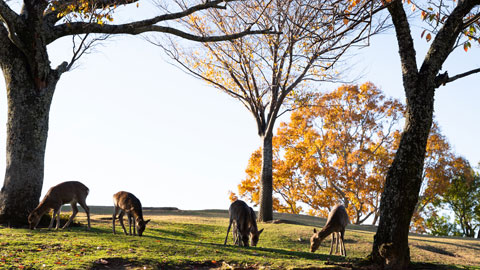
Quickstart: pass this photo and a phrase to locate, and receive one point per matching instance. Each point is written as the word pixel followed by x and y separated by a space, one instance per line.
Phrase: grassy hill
pixel 177 239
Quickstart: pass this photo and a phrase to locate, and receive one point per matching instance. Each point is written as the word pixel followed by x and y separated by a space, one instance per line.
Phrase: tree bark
pixel 27 131
pixel 266 183
pixel 403 182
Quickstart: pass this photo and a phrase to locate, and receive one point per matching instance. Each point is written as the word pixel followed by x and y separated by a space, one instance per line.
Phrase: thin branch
pixel 443 78
pixel 471 21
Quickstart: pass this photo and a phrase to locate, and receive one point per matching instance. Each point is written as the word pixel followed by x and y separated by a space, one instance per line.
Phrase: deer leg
pixel 74 214
pixel 239 236
pixel 58 217
pixel 36 224
pixel 83 204
pixel 53 218
pixel 228 230
pixel 129 217
pixel 115 211
pixel 236 233
pixel 134 224
pixel 120 218
pixel 344 251
pixel 337 241
pixel 331 244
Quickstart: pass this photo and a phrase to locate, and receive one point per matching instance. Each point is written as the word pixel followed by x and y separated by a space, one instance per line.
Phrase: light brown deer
pixel 63 193
pixel 126 202
pixel 336 223
pixel 245 224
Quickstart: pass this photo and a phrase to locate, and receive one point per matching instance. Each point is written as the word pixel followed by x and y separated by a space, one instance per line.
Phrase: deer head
pixel 141 224
pixel 316 240
pixel 254 236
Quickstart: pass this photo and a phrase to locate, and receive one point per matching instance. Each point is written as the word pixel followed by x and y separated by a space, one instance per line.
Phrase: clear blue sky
pixel 128 120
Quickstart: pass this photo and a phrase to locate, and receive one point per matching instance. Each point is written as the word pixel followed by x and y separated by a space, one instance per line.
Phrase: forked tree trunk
pixel 266 182
pixel 403 181
pixel 27 131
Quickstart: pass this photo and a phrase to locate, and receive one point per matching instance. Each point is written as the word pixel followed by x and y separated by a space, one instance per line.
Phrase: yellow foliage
pixel 232 196
pixel 83 9
pixel 339 149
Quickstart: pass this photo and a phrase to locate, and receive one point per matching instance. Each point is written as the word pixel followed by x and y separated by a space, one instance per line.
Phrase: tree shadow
pixel 119 263
pixel 184 233
pixel 473 246
pixel 435 250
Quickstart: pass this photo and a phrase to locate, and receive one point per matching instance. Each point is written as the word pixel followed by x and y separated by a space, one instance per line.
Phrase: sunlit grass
pixel 186 238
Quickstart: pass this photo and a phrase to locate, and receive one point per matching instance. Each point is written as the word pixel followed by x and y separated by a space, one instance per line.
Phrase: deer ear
pixel 147 221
pixel 314 230
pixel 259 232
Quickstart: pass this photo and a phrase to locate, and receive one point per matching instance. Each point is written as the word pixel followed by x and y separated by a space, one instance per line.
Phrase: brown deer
pixel 126 202
pixel 245 224
pixel 336 223
pixel 63 193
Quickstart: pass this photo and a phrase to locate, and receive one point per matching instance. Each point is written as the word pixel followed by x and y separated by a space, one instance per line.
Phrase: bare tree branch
pixel 149 25
pixel 443 78
pixel 139 28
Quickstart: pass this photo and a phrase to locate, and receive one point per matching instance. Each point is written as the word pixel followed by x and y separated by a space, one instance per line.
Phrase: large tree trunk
pixel 27 130
pixel 399 198
pixel 404 178
pixel 266 183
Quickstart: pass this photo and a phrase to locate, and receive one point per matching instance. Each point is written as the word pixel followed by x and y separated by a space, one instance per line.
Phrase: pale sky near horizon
pixel 128 120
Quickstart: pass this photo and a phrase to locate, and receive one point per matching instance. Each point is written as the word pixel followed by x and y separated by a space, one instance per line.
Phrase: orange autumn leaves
pixel 83 10
pixel 338 149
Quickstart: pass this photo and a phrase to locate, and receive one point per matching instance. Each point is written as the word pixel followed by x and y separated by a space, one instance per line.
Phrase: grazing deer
pixel 63 193
pixel 126 202
pixel 245 224
pixel 336 223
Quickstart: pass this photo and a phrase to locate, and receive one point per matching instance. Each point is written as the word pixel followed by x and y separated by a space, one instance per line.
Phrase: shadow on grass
pixel 253 251
pixel 456 244
pixel 120 263
pixel 435 250
pixel 431 266
pixel 184 233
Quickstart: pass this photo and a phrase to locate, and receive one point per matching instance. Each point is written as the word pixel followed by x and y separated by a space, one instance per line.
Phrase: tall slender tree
pixel 31 81
pixel 265 72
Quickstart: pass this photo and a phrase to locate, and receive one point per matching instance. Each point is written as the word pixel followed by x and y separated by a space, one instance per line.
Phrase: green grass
pixel 194 240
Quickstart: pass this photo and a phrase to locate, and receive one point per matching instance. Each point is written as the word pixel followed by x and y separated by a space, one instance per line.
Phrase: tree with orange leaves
pixel 336 149
pixel 441 166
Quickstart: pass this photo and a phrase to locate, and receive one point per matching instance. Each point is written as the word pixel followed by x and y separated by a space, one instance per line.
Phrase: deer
pixel 63 193
pixel 126 202
pixel 245 224
pixel 336 222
